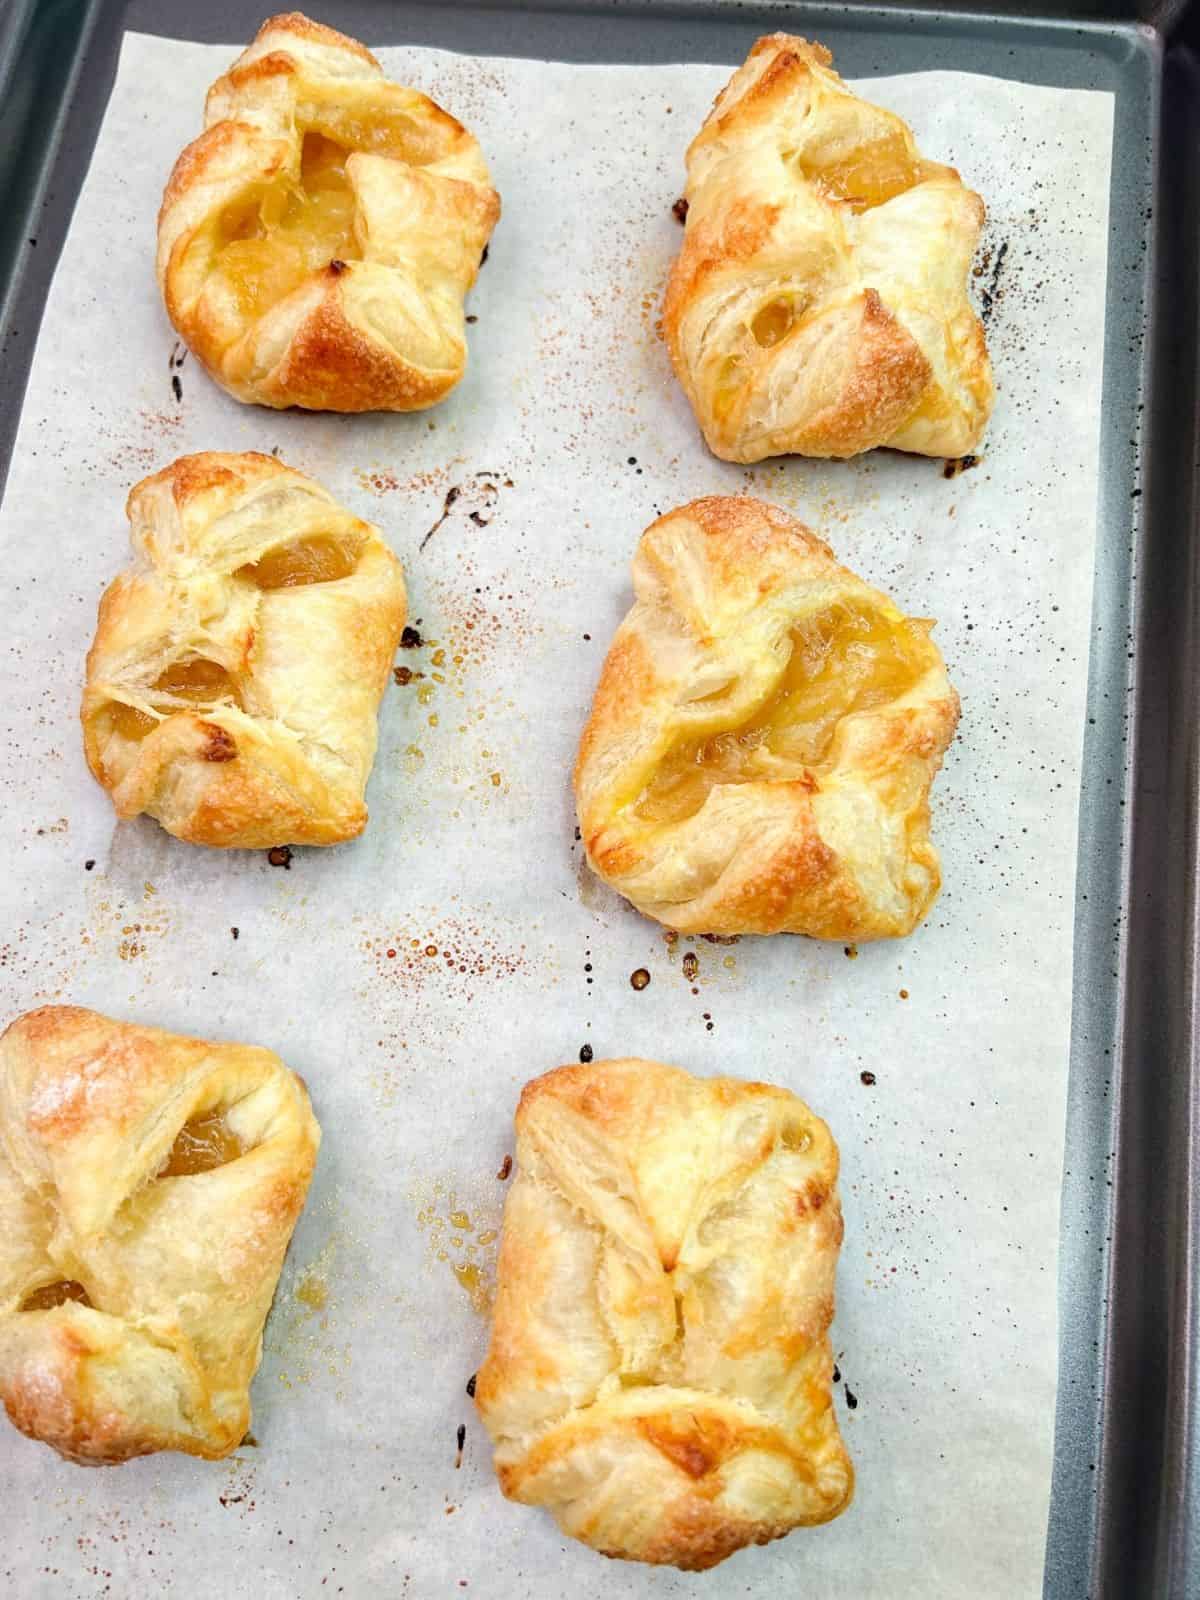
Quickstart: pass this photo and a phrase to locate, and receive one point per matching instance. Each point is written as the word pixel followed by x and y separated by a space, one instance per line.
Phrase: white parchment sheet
pixel 418 976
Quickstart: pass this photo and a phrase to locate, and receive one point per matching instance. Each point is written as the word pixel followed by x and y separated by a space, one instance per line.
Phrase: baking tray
pixel 1125 1509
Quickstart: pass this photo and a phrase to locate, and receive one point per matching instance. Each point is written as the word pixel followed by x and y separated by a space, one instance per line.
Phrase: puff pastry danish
pixel 316 242
pixel 659 1369
pixel 238 665
pixel 149 1185
pixel 763 738
pixel 819 303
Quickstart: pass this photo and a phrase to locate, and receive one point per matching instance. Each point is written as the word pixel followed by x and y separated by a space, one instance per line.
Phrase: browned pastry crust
pixel 316 242
pixel 659 1369
pixel 764 735
pixel 149 1185
pixel 238 665
pixel 819 303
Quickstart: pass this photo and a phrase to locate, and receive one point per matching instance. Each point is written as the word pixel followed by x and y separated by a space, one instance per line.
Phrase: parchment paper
pixel 417 977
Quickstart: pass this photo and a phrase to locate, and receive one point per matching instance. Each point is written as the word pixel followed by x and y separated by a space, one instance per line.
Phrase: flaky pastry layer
pixel 659 1369
pixel 315 244
pixel 149 1185
pixel 819 303
pixel 763 737
pixel 238 665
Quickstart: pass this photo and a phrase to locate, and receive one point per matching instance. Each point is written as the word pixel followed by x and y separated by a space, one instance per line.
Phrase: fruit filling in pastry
pixel 845 660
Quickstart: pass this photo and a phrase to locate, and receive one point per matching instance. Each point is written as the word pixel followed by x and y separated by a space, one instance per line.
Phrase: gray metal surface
pixel 1125 1518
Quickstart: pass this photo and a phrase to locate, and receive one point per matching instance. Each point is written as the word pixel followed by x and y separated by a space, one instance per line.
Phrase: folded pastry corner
pixel 238 665
pixel 149 1186
pixel 764 735
pixel 819 304
pixel 659 1372
pixel 316 242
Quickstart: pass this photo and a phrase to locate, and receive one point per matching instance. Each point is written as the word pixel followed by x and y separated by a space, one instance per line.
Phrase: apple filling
pixel 728 386
pixel 202 1144
pixel 866 177
pixel 199 682
pixel 322 558
pixel 773 322
pixel 55 1294
pixel 270 244
pixel 847 659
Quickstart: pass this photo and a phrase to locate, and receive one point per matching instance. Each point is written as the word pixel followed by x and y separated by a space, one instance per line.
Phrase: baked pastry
pixel 149 1185
pixel 238 665
pixel 819 303
pixel 659 1369
pixel 316 242
pixel 763 738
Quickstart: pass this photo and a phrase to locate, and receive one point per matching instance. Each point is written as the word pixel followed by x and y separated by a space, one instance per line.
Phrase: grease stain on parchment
pixel 462 1231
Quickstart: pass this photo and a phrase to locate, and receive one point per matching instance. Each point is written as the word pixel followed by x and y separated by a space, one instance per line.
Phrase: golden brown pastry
pixel 316 242
pixel 659 1370
pixel 149 1185
pixel 763 738
pixel 238 665
pixel 819 303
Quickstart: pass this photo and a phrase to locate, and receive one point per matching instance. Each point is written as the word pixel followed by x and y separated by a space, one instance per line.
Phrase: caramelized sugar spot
pixel 322 558
pixel 202 1144
pixel 55 1294
pixel 295 228
pixel 868 176
pixel 198 681
pixel 846 659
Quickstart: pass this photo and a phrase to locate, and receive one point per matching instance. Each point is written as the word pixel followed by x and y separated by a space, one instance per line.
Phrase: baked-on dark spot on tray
pixel 280 855
pixel 990 294
pixel 452 494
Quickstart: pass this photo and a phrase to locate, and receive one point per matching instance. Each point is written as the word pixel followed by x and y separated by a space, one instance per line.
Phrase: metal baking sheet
pixel 1123 1447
